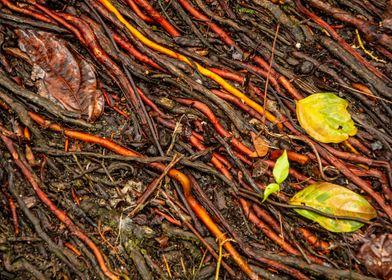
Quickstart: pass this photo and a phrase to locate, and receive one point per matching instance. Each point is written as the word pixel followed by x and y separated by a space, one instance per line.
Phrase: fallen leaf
pixel 30 157
pixel 325 118
pixel 261 146
pixel 336 200
pixel 61 75
pixel 376 255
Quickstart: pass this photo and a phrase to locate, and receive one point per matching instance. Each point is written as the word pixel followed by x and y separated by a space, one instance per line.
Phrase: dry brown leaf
pixel 61 75
pixel 261 146
pixel 376 255
pixel 30 157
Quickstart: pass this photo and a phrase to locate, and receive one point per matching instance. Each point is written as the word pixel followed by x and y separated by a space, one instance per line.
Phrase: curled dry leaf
pixel 261 146
pixel 61 75
pixel 376 255
pixel 30 157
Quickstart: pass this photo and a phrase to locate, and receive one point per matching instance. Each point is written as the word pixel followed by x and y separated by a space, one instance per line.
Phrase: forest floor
pixel 139 139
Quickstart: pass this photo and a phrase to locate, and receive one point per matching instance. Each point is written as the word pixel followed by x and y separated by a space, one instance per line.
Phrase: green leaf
pixel 335 200
pixel 271 188
pixel 325 118
pixel 281 168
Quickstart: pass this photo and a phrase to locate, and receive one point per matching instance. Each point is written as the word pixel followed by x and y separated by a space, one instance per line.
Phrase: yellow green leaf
pixel 336 200
pixel 281 168
pixel 271 188
pixel 325 118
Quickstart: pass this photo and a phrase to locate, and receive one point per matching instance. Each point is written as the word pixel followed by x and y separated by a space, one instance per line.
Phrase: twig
pixel 61 215
pixel 153 186
pixel 36 224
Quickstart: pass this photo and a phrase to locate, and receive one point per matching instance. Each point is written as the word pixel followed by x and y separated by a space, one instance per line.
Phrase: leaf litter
pixel 60 74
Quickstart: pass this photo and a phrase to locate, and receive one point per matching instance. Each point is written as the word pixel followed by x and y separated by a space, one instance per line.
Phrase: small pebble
pixel 237 55
pixel 305 67
pixel 376 145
